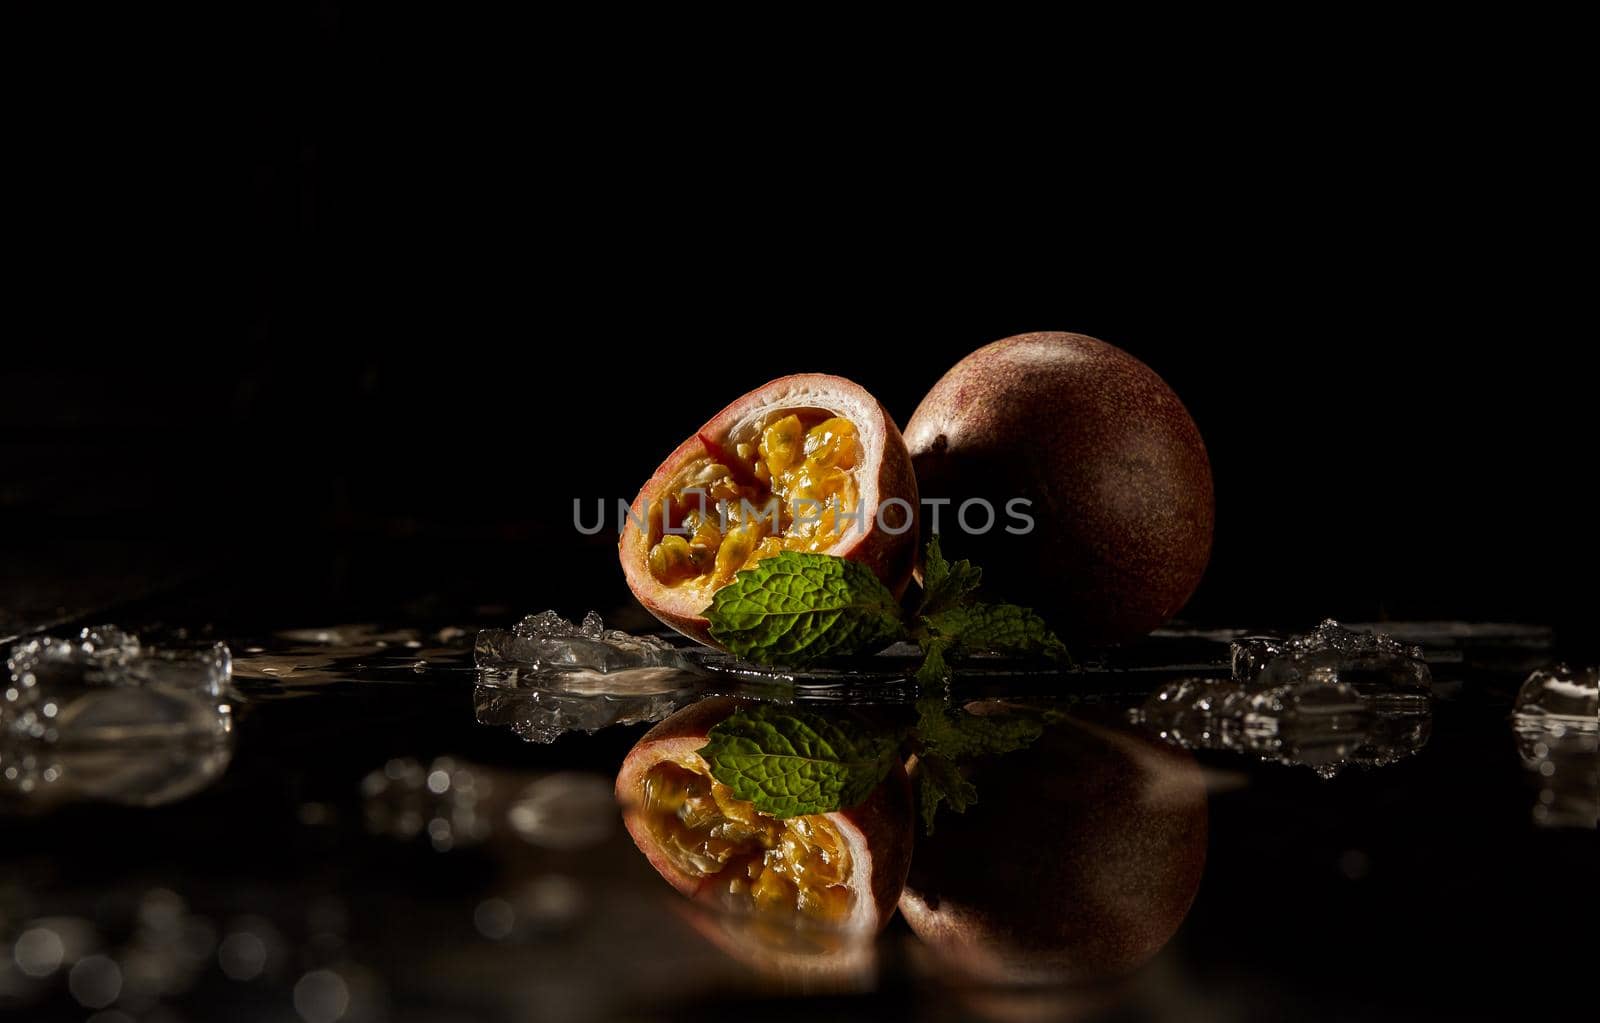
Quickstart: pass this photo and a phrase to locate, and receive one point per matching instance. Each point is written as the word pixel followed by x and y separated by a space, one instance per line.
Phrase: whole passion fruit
pixel 1077 863
pixel 838 871
pixel 1116 529
pixel 805 463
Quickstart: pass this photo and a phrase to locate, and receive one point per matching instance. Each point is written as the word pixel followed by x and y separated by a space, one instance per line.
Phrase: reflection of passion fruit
pixel 804 463
pixel 800 958
pixel 839 870
pixel 1113 468
pixel 1077 863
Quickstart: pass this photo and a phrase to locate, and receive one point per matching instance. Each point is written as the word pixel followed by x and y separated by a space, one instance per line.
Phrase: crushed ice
pixel 547 643
pixel 1376 665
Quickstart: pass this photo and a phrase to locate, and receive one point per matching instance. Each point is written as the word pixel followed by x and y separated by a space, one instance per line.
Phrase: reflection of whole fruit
pixel 802 959
pixel 1077 863
pixel 805 463
pixel 841 871
pixel 1113 468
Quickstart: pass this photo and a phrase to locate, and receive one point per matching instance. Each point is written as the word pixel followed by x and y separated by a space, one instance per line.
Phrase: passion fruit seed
pixel 810 468
pixel 735 551
pixel 672 560
pixel 780 443
pixel 799 865
pixel 832 443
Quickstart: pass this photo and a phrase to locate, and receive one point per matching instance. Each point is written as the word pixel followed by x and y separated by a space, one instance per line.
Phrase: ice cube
pixel 1251 654
pixel 546 623
pixel 1557 722
pixel 104 686
pixel 1562 694
pixel 1377 666
pixel 547 643
pixel 206 672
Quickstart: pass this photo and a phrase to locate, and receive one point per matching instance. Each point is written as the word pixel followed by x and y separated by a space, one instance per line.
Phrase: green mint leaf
pixel 996 628
pixel 795 608
pixel 945 584
pixel 940 781
pixel 934 670
pixel 790 763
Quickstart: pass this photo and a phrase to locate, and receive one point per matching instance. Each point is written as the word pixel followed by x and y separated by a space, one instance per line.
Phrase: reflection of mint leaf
pixel 790 763
pixel 940 781
pixel 945 738
pixel 945 583
pixel 998 628
pixel 961 734
pixel 795 608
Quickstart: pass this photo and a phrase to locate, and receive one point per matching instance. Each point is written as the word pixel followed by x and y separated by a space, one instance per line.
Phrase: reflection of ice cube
pixel 546 712
pixel 129 775
pixel 445 798
pixel 546 677
pixel 1312 723
pixel 1377 666
pixel 1557 722
pixel 135 746
pixel 546 642
pixel 1198 713
pixel 1320 725
pixel 567 810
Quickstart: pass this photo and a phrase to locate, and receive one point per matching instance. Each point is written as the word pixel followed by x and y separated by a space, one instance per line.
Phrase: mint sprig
pixel 790 763
pixel 945 584
pixel 799 608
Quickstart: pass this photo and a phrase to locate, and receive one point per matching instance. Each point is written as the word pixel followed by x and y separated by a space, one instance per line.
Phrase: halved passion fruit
pixel 838 871
pixel 805 463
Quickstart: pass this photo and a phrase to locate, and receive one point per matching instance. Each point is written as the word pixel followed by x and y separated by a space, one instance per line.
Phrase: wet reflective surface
pixel 365 822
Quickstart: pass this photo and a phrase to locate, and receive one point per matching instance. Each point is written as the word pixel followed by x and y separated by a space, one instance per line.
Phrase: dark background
pixel 370 329
pixel 340 321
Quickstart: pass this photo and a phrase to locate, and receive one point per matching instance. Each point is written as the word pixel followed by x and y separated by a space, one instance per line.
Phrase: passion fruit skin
pixel 1077 864
pixel 885 472
pixel 1113 465
pixel 880 830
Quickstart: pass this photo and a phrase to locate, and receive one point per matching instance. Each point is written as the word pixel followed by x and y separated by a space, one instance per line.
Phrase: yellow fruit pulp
pixel 800 865
pixel 791 489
